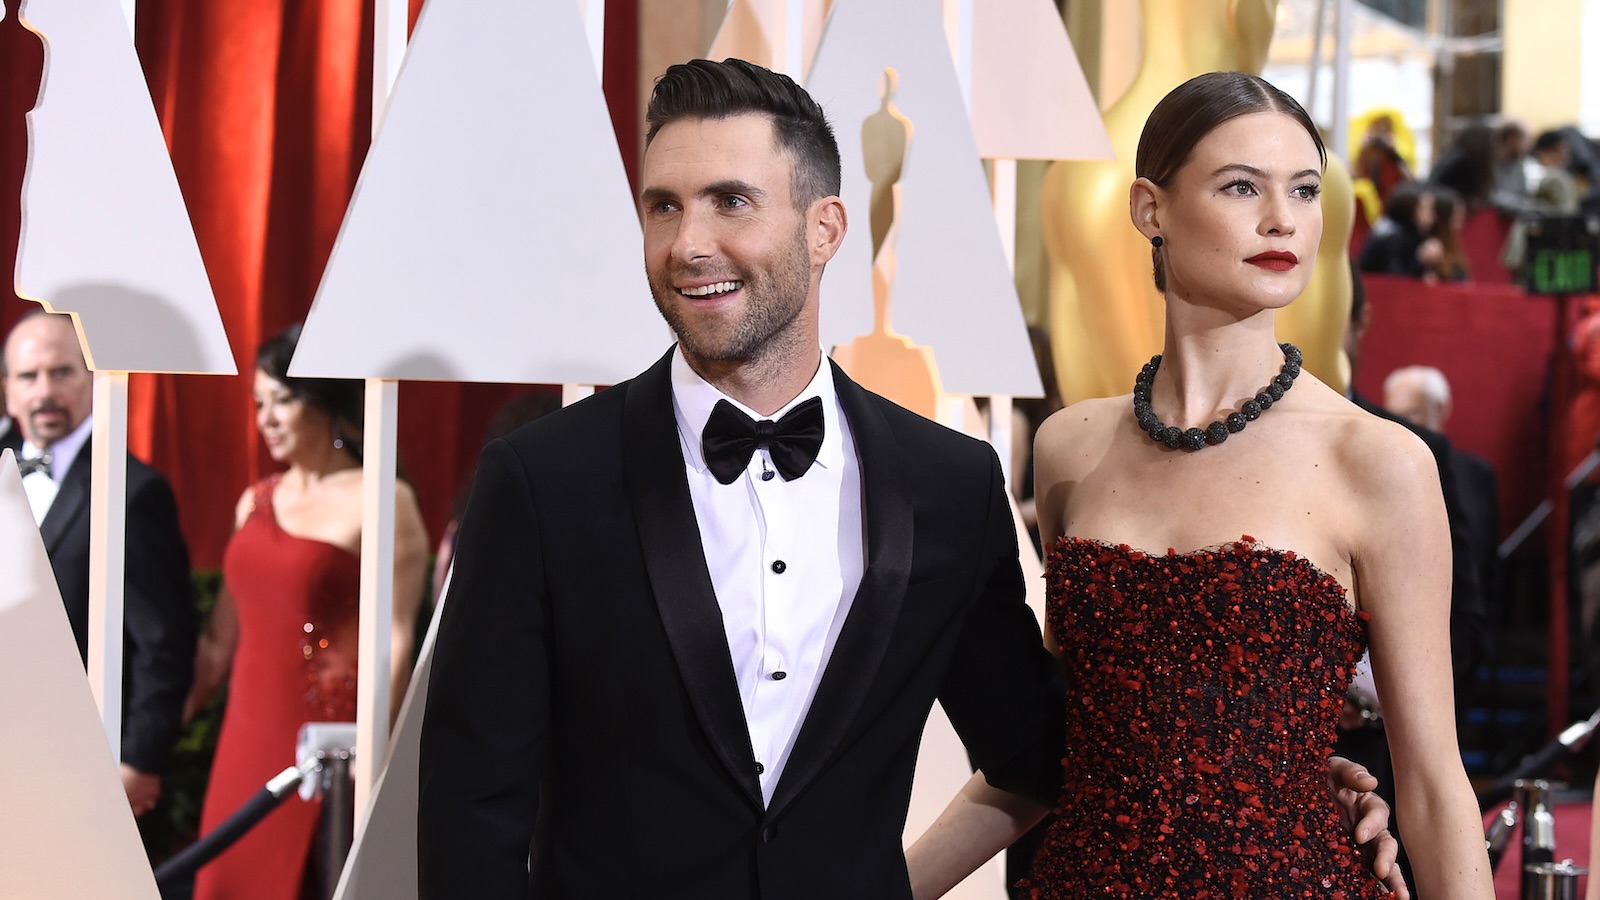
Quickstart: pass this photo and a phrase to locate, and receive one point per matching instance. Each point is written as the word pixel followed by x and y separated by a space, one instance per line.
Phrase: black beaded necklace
pixel 1218 431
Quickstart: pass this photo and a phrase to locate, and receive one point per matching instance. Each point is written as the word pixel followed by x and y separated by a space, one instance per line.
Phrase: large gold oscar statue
pixel 1106 318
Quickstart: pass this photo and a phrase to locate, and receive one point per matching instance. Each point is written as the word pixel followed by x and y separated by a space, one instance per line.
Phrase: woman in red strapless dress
pixel 285 624
pixel 1211 586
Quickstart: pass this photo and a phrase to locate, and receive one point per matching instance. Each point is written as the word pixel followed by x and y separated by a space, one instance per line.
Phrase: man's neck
pixel 764 385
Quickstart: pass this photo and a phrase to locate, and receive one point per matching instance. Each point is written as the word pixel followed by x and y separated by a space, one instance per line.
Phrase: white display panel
pixel 953 289
pixel 105 233
pixel 65 826
pixel 1029 97
pixel 492 235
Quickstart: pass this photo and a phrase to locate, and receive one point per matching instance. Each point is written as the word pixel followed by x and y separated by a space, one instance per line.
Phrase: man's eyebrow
pixel 1259 173
pixel 733 186
pixel 715 189
pixel 652 194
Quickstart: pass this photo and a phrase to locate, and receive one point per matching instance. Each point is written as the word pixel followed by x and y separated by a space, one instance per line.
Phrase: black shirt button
pixel 779 675
pixel 760 769
pixel 779 566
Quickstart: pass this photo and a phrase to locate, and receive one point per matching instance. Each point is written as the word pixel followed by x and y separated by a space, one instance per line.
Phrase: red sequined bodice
pixel 1203 692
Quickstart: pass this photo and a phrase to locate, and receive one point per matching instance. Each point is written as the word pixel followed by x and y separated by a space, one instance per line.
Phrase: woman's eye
pixel 1239 188
pixel 1308 192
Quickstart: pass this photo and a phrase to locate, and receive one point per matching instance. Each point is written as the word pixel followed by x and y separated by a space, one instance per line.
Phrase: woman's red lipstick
pixel 1276 260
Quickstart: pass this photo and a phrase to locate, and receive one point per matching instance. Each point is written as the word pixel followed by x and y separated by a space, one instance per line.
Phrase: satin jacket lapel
pixel 669 536
pixel 886 509
pixel 72 500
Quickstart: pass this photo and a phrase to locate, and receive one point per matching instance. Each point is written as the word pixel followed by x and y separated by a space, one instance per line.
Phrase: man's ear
pixel 1144 206
pixel 828 226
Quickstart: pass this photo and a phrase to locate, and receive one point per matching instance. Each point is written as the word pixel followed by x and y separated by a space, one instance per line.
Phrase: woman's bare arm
pixel 1401 556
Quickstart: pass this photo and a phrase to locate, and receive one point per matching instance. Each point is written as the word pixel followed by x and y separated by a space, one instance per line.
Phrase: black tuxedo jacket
pixel 583 697
pixel 10 435
pixel 158 598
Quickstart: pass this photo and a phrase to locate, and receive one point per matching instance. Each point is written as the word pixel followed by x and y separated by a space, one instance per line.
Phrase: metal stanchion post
pixel 1499 835
pixel 1554 880
pixel 1538 833
pixel 328 748
pixel 338 816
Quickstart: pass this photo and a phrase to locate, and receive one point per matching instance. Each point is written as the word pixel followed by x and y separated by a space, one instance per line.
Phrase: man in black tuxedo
pixel 688 651
pixel 10 434
pixel 49 393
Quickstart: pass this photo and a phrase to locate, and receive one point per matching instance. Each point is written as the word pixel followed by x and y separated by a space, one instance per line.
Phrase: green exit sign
pixel 1562 271
pixel 1561 255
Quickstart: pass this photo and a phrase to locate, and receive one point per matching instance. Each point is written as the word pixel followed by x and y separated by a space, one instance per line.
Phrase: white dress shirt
pixel 42 489
pixel 785 559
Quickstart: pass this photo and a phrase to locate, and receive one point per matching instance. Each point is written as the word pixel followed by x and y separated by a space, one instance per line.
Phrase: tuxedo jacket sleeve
pixel 582 698
pixel 160 625
pixel 158 603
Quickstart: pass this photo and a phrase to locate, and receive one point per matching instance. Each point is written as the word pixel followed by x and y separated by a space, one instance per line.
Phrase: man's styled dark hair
pixel 702 89
pixel 1191 111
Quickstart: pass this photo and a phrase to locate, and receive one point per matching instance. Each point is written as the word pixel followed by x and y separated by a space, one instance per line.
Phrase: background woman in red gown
pixel 285 622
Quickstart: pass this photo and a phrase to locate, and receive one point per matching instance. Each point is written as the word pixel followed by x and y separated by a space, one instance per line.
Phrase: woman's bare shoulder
pixel 1380 457
pixel 1082 430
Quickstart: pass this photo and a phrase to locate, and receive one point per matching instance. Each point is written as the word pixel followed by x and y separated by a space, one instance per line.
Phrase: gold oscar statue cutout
pixel 1106 318
pixel 883 361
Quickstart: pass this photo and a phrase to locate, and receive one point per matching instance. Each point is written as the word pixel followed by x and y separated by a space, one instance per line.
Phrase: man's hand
pixel 1367 817
pixel 143 788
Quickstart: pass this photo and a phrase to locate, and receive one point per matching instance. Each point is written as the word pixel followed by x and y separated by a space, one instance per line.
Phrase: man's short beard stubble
pixel 773 301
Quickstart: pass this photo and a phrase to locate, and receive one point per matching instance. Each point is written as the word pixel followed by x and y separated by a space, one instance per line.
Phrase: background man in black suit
pixel 49 393
pixel 689 654
pixel 1421 394
pixel 10 434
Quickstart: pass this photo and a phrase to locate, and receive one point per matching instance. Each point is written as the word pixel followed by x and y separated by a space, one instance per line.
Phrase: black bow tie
pixel 27 467
pixel 731 438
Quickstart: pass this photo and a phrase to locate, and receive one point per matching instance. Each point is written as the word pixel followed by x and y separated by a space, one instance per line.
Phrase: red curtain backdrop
pixel 266 109
pixel 1494 344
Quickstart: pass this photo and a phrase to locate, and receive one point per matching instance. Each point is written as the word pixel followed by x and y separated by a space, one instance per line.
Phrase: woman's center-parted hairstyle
pixel 1193 110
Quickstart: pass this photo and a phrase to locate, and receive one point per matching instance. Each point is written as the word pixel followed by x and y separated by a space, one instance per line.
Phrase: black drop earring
pixel 1157 241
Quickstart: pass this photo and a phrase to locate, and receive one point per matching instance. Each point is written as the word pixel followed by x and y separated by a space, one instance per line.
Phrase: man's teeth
pixel 721 287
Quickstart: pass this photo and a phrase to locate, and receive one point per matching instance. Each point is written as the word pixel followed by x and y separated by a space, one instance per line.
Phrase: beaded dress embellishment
pixel 1203 692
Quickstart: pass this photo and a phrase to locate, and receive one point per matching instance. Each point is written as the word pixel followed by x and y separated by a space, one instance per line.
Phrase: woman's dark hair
pixel 1401 205
pixel 1453 265
pixel 1190 112
pixel 1468 166
pixel 340 398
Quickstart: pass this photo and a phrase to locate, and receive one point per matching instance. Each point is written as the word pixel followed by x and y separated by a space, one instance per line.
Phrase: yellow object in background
pixel 1106 319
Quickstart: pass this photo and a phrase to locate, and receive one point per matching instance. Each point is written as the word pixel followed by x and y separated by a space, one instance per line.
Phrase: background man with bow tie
pixel 697 622
pixel 49 394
